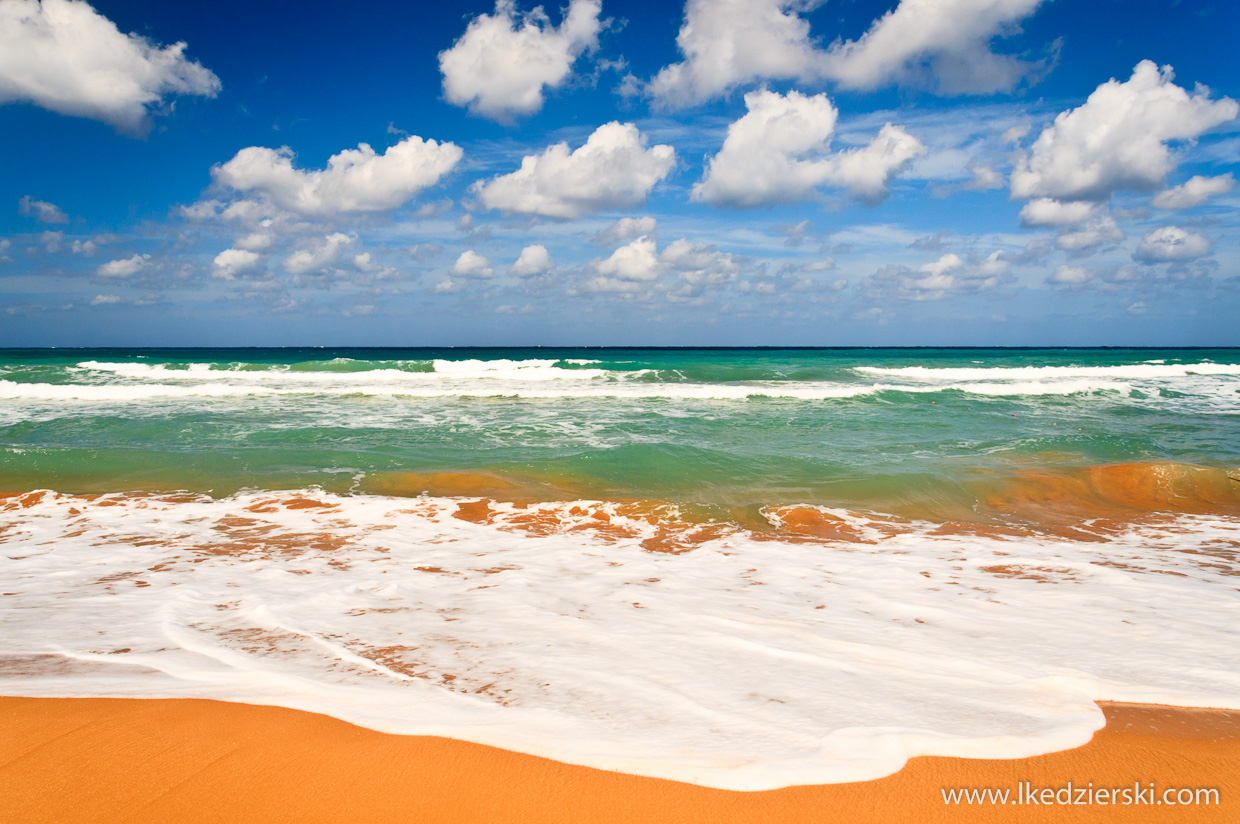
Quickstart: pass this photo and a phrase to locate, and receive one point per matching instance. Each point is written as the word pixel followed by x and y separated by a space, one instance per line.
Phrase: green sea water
pixel 861 427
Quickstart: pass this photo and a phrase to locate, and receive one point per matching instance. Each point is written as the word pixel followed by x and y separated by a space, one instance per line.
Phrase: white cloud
pixel 699 264
pixel 948 276
pixel 727 43
pixel 635 267
pixel 105 300
pixel 984 179
pixel 1171 243
pixel 41 210
pixel 1090 235
pixel 866 173
pixel 994 265
pixel 472 265
pixel 5 246
pixel 1047 211
pixel 943 46
pixel 636 261
pixel 124 267
pixel 64 56
pixel 255 241
pixel 1194 191
pixel 613 170
pixel 937 277
pixel 500 65
pixel 355 180
pixel 625 228
pixel 232 262
pixel 533 260
pixel 778 152
pixel 628 269
pixel 1118 138
pixel 1084 226
pixel 1070 276
pixel 320 256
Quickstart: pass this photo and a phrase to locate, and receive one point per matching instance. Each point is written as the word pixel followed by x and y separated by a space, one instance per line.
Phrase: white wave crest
pixel 1133 371
pixel 508 370
pixel 379 385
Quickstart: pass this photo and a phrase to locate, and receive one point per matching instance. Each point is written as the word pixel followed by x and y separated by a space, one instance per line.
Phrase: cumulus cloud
pixel 1083 226
pixel 1046 211
pixel 635 267
pixel 1090 235
pixel 41 210
pixel 533 260
pixel 355 180
pixel 628 269
pixel 1118 138
pixel 636 261
pixel 942 46
pixel 501 64
pixel 1171 243
pixel 625 228
pixel 699 264
pixel 1069 276
pixel 778 152
pixel 613 170
pixel 866 173
pixel 727 43
pixel 984 179
pixel 329 254
pixel 1194 191
pixel 230 263
pixel 255 241
pixel 64 56
pixel 472 265
pixel 105 300
pixel 948 276
pixel 124 267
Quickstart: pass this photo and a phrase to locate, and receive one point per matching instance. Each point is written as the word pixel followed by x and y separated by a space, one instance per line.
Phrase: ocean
pixel 739 568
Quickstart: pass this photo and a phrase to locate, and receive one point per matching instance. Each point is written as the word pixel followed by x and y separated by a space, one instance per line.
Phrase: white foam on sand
pixel 740 663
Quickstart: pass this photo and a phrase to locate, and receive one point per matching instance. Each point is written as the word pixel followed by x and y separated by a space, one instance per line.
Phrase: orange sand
pixel 126 760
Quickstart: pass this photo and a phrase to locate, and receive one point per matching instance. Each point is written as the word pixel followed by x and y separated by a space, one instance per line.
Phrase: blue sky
pixel 962 172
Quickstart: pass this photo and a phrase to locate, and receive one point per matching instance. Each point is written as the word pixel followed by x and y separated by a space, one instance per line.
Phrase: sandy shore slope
pixel 126 760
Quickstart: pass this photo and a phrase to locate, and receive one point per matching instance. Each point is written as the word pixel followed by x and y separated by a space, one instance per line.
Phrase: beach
pixel 733 573
pixel 99 760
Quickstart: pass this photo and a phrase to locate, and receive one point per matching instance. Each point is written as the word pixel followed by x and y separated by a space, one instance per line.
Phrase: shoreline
pixel 195 760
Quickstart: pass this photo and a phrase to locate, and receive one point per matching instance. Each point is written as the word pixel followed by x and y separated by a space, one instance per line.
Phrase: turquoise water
pixel 709 426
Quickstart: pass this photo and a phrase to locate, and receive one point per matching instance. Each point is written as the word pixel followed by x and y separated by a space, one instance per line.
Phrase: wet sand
pixel 133 760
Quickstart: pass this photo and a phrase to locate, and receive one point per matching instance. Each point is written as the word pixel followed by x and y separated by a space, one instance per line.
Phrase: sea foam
pixel 737 660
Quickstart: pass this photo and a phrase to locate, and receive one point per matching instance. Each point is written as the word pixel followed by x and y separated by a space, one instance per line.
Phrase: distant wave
pixel 425 385
pixel 329 371
pixel 1133 371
